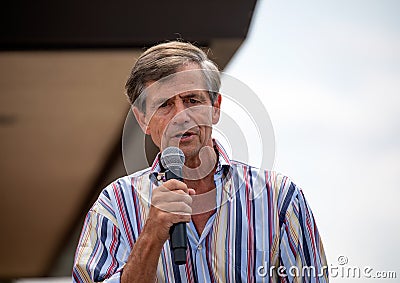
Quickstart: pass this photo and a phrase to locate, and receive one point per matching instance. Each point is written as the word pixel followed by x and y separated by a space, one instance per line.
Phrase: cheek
pixel 161 126
pixel 203 116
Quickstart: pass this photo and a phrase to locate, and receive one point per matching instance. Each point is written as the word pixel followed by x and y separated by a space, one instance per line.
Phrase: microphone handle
pixel 178 233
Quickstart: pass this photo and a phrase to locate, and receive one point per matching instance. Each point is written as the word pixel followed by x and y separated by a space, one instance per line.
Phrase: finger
pixel 181 218
pixel 168 197
pixel 180 208
pixel 174 185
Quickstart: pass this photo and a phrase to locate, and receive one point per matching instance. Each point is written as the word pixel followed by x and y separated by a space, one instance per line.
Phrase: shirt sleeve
pixel 101 251
pixel 302 256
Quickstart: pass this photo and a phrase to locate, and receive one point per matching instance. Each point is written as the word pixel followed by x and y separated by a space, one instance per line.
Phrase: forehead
pixel 187 79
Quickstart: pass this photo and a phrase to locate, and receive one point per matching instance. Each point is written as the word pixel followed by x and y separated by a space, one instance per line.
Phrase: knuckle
pixel 172 183
pixel 188 200
pixel 155 199
pixel 164 188
pixel 176 184
pixel 180 192
pixel 184 208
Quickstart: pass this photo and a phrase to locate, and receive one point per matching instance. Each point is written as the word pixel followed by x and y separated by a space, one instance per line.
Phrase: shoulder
pixel 119 192
pixel 269 183
pixel 126 183
pixel 278 181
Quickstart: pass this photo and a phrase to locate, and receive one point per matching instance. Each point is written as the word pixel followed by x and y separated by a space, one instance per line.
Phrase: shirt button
pixel 199 247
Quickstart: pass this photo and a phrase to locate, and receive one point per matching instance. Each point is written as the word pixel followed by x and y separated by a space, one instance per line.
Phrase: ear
pixel 141 119
pixel 216 111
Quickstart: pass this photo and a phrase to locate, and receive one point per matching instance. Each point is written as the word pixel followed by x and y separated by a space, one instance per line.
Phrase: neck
pixel 204 200
pixel 203 168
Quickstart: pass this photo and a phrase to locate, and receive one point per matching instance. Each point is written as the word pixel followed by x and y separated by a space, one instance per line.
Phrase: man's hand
pixel 170 203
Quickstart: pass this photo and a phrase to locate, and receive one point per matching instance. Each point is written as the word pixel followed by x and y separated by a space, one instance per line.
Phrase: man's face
pixel 179 112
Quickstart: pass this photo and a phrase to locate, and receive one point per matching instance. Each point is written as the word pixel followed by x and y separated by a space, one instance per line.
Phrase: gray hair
pixel 165 59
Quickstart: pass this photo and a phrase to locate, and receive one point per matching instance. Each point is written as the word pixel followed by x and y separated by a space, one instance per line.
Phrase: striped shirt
pixel 262 231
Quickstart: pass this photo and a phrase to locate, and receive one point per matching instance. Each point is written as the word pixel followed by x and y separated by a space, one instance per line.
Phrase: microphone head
pixel 173 159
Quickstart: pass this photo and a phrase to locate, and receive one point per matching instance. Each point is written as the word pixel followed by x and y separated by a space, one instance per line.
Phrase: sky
pixel 328 74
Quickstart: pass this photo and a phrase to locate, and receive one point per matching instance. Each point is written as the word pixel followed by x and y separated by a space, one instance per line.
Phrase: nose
pixel 181 115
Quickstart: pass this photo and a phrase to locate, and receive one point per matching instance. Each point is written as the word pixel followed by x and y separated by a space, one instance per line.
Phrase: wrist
pixel 154 239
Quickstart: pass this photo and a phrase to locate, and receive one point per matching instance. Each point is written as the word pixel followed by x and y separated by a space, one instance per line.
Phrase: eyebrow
pixel 190 95
pixel 160 101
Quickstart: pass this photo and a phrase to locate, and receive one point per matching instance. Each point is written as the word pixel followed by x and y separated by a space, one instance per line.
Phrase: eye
pixel 192 100
pixel 164 104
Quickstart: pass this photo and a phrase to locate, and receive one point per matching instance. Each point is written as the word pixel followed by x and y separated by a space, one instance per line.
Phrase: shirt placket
pixel 197 243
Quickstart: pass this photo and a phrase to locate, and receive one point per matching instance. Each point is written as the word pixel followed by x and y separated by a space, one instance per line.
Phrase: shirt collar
pixel 223 159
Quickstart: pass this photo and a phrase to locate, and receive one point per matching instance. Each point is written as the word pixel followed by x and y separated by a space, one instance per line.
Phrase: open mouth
pixel 184 135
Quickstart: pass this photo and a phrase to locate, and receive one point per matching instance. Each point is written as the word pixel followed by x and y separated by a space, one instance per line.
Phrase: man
pixel 243 224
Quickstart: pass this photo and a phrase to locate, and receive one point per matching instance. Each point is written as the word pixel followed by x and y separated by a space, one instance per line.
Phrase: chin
pixel 189 151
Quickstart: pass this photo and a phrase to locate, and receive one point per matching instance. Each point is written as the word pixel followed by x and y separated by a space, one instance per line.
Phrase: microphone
pixel 173 159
